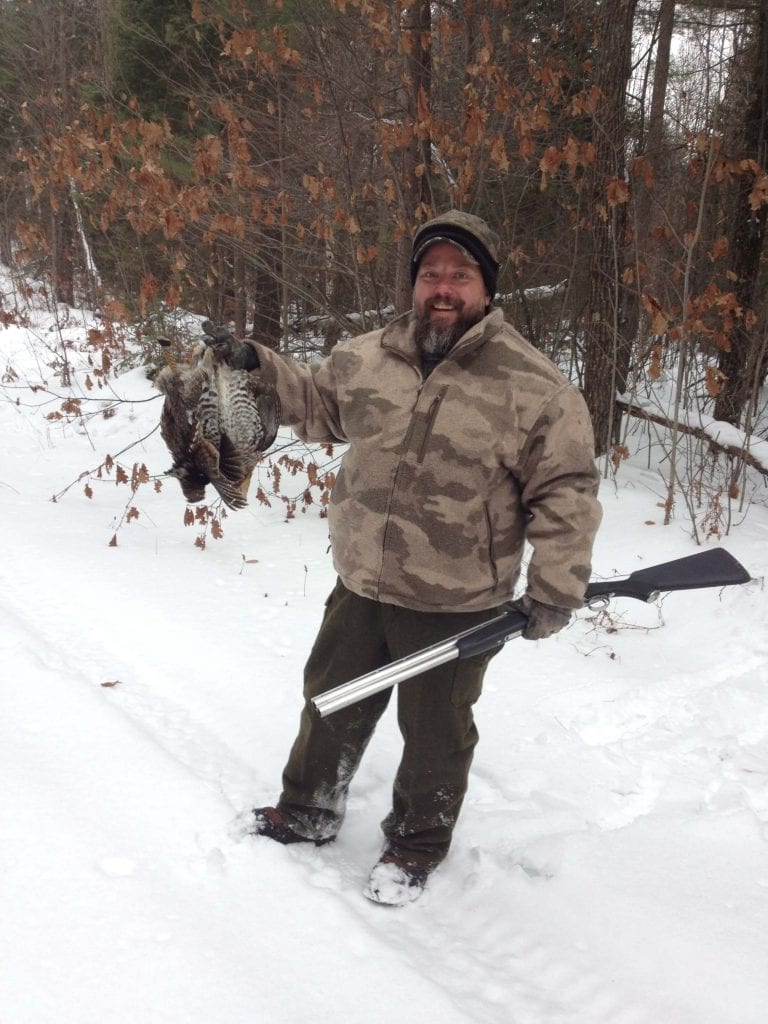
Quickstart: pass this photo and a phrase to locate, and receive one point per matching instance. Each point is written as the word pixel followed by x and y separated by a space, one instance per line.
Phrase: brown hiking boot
pixel 269 822
pixel 394 881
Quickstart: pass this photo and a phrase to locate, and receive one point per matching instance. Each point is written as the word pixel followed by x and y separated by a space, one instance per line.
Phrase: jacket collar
pixel 399 336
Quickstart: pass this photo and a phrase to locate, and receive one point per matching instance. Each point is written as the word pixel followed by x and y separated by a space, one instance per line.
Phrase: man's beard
pixel 439 341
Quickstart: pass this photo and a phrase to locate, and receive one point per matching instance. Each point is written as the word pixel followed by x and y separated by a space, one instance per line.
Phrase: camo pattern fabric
pixel 445 478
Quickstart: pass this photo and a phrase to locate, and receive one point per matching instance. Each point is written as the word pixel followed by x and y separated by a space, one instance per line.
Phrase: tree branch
pixel 721 449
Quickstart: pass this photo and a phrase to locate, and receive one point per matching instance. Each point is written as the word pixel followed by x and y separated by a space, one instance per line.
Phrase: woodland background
pixel 266 162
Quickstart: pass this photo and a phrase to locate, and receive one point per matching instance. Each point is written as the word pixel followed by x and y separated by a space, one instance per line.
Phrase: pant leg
pixel 439 736
pixel 327 751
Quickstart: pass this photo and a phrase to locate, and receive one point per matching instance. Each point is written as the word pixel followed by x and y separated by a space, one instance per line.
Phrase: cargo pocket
pixel 491 553
pixel 468 677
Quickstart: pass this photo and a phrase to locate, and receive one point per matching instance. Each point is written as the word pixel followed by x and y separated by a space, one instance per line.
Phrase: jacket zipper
pixel 431 416
pixel 432 412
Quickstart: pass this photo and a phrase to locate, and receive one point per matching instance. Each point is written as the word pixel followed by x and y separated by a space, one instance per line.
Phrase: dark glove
pixel 543 619
pixel 228 350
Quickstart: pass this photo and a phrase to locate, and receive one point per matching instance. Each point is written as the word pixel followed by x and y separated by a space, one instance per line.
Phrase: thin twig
pixel 91 472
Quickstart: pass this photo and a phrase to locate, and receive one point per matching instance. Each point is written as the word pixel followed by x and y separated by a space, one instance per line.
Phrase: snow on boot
pixel 269 822
pixel 394 882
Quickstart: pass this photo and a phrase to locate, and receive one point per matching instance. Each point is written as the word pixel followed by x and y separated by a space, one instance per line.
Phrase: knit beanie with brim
pixel 470 234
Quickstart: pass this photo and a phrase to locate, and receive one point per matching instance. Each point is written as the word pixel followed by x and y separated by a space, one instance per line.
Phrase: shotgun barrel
pixel 712 568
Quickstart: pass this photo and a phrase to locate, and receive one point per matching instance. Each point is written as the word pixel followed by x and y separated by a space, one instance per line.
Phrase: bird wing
pixel 221 445
pixel 182 387
pixel 268 408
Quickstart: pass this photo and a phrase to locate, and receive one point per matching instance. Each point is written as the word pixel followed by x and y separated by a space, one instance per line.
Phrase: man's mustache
pixel 456 304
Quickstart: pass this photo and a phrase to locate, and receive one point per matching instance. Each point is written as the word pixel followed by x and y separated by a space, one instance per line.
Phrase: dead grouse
pixel 216 422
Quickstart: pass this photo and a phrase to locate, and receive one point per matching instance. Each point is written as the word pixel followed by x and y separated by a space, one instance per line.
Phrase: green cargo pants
pixel 358 635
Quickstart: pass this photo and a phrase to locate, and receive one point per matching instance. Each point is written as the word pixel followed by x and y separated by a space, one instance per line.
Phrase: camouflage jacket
pixel 445 478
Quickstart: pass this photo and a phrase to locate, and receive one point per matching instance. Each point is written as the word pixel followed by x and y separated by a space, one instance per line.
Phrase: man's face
pixel 449 288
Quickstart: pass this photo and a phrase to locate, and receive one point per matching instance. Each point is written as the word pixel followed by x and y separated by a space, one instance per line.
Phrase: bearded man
pixel 464 442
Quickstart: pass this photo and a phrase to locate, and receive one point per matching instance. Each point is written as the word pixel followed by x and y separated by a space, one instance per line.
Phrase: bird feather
pixel 216 423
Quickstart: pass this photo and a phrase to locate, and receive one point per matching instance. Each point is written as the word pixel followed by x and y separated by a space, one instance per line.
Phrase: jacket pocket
pixel 468 678
pixel 491 555
pixel 429 424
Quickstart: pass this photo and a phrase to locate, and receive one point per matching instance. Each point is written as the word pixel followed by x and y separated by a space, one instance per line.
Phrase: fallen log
pixel 733 451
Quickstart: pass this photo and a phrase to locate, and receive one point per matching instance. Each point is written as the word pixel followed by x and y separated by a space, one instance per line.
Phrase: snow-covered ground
pixel 609 868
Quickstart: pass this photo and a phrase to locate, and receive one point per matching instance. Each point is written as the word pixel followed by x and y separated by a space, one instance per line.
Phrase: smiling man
pixel 449 296
pixel 450 290
pixel 464 442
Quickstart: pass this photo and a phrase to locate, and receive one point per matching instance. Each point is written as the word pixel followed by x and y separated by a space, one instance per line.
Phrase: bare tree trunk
pixel 738 365
pixel 417 155
pixel 61 258
pixel 648 167
pixel 239 289
pixel 608 349
pixel 267 320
